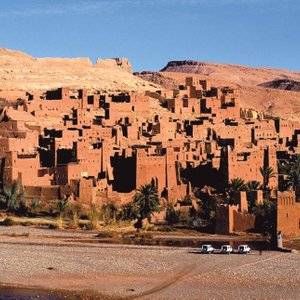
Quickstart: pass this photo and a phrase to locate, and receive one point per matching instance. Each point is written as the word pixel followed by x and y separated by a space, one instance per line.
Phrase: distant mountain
pixel 235 73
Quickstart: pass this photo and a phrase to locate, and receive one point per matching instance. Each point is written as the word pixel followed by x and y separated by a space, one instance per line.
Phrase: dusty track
pixel 172 280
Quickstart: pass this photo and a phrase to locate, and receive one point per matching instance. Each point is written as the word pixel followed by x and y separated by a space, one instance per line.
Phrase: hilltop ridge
pixel 22 72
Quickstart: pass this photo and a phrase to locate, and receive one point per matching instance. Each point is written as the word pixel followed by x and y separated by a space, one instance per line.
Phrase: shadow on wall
pixel 204 175
pixel 124 171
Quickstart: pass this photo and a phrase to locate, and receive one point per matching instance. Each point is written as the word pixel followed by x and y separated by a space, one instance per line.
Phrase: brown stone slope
pixel 22 72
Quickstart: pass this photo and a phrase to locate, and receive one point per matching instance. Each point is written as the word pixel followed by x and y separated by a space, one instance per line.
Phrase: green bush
pixel 172 216
pixel 34 206
pixel 12 198
pixel 126 213
pixel 108 214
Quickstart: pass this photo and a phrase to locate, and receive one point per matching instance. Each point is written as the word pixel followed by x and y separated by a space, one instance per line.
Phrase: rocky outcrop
pixel 187 66
pixel 122 63
pixel 283 84
pixel 22 72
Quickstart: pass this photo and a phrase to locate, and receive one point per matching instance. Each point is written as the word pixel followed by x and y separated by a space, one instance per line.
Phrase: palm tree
pixel 61 205
pixel 267 173
pixel 145 203
pixel 253 185
pixel 235 186
pixel 13 196
pixel 293 179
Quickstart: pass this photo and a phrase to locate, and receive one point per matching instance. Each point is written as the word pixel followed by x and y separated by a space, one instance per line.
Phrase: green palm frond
pixel 145 201
pixel 267 173
pixel 253 185
pixel 12 196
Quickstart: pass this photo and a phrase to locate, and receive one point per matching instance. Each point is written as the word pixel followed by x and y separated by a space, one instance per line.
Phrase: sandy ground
pixel 144 272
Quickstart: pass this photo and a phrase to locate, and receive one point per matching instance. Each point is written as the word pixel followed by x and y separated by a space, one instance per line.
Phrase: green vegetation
pixel 61 205
pixel 253 186
pixel 293 179
pixel 172 216
pixel 34 206
pixel 208 200
pixel 145 202
pixel 235 186
pixel 266 217
pixel 12 198
pixel 267 173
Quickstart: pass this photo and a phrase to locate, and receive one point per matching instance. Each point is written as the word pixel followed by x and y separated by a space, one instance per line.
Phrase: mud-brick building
pixel 288 214
pixel 161 169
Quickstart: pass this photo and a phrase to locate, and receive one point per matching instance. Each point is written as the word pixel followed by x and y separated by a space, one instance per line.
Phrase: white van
pixel 207 249
pixel 244 249
pixel 226 249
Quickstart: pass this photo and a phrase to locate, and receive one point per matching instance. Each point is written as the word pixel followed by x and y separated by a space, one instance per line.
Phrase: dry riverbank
pixel 89 270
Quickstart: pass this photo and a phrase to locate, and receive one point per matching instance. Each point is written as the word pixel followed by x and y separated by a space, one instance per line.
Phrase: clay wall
pixel 243 222
pixel 288 214
pixel 24 168
pixel 42 193
pixel 239 162
pixel 230 220
pixel 150 167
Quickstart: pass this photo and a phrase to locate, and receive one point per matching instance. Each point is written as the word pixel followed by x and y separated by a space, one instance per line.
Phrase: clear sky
pixel 152 32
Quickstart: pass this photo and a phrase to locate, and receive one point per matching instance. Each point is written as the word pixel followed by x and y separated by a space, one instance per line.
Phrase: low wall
pixel 243 222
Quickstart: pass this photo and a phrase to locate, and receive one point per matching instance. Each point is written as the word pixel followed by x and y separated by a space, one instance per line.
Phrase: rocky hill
pixel 22 72
pixel 283 84
pixel 234 73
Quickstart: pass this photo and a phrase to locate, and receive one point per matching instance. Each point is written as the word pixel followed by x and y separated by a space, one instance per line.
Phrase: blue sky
pixel 152 32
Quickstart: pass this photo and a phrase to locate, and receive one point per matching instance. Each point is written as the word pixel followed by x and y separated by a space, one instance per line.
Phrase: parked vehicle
pixel 207 249
pixel 244 249
pixel 226 249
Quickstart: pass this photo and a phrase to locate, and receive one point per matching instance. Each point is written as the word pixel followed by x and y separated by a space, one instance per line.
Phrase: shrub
pixel 61 205
pixel 172 216
pixel 93 217
pixel 34 206
pixel 108 214
pixel 126 213
pixel 74 220
pixel 12 197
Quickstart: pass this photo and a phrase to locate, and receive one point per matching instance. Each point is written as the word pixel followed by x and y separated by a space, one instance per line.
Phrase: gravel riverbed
pixel 146 272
